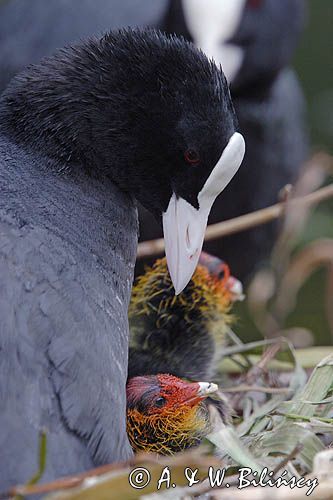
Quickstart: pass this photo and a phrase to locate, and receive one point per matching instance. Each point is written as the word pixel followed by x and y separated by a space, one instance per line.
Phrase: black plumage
pixel 182 337
pixel 81 135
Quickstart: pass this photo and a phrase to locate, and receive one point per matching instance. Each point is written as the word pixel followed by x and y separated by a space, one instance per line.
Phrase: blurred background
pixel 313 64
pixel 301 37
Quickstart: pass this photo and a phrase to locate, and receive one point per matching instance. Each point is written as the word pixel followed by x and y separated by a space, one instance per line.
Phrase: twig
pixel 237 341
pixel 152 248
pixel 294 416
pixel 69 482
pixel 59 484
pixel 256 388
pixel 289 457
pixel 258 369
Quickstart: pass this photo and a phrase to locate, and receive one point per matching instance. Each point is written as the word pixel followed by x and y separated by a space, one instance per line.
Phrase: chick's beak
pixel 235 288
pixel 184 226
pixel 195 392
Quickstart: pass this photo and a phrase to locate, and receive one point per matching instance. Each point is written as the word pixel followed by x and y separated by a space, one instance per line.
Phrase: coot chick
pixel 132 115
pixel 182 335
pixel 166 414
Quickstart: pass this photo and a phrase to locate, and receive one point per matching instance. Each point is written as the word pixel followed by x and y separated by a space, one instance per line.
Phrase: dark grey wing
pixel 29 402
pixel 66 268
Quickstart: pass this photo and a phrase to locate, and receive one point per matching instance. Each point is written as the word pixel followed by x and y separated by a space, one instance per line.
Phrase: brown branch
pixel 66 482
pixel 142 458
pixel 153 248
pixel 256 388
pixel 293 454
pixel 258 369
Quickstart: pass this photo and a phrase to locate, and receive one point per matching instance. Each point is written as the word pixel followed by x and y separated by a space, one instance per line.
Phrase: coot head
pixel 180 142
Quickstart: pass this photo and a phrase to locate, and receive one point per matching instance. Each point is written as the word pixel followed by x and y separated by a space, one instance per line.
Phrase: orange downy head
pixel 165 414
pixel 219 273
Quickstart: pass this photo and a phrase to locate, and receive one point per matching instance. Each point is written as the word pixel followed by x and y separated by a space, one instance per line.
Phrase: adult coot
pixel 254 40
pixel 133 115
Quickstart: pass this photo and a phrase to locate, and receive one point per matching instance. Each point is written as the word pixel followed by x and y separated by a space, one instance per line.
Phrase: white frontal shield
pixel 184 226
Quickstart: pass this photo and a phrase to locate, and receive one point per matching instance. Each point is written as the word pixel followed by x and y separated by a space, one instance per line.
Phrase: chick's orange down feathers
pixel 166 414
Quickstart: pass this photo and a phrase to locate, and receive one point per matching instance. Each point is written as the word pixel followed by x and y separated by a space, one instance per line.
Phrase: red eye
pixel 192 157
pixel 254 4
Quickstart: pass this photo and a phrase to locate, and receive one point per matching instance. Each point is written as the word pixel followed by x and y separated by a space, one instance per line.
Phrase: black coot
pixel 133 115
pixel 254 41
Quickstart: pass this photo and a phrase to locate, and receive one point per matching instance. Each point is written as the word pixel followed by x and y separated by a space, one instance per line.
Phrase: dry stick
pixel 69 482
pixel 256 388
pixel 152 248
pixel 205 487
pixel 289 457
pixel 257 369
pixel 63 482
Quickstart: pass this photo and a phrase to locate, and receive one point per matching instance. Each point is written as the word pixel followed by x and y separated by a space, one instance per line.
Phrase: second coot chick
pixel 182 335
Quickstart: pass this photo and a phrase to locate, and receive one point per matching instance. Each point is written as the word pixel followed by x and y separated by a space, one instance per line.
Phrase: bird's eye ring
pixel 160 402
pixel 192 157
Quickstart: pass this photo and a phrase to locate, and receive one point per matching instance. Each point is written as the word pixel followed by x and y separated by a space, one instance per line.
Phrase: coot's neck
pixel 64 109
